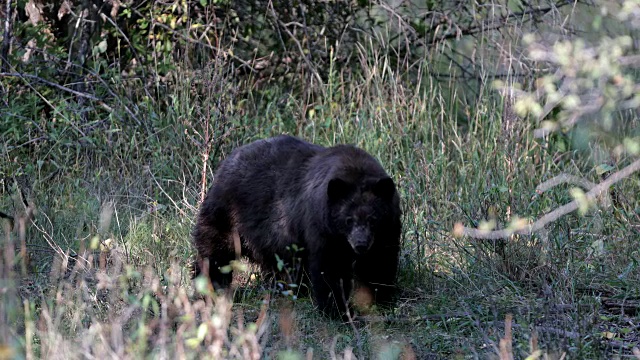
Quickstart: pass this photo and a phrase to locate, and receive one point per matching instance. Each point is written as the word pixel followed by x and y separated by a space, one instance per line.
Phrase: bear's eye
pixel 348 221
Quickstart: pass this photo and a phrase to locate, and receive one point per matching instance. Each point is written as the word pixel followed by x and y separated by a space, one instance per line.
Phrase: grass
pixel 110 242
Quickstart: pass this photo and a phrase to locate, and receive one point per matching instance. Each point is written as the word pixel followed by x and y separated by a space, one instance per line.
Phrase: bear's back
pixel 267 157
pixel 262 183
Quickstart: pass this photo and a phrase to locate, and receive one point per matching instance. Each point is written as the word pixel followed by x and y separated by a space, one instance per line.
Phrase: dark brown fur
pixel 337 203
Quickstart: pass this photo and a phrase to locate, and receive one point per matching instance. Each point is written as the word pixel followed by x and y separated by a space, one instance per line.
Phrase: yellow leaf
pixel 608 335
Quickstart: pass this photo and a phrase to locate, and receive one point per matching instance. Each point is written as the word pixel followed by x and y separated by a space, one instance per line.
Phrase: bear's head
pixel 358 210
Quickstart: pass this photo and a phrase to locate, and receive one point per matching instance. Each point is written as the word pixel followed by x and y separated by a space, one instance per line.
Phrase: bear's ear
pixel 339 189
pixel 384 188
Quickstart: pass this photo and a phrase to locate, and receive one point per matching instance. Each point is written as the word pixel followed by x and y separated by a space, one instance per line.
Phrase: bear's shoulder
pixel 349 162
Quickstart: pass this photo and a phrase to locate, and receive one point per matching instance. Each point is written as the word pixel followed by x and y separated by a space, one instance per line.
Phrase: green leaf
pixel 603 168
pixel 102 46
pixel 581 198
pixel 192 343
pixel 202 331
pixel 289 355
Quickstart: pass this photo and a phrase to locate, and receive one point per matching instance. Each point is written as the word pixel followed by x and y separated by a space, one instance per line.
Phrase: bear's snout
pixel 360 239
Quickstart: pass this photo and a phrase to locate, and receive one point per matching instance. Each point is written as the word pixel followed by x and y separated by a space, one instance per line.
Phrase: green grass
pixel 130 294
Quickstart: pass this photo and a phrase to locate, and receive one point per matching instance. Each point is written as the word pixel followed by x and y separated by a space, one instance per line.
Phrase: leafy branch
pixel 551 216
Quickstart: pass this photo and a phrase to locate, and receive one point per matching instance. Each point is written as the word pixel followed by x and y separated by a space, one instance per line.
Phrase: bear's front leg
pixel 331 288
pixel 377 272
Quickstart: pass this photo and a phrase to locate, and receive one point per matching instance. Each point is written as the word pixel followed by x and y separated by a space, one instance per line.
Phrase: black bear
pixel 337 204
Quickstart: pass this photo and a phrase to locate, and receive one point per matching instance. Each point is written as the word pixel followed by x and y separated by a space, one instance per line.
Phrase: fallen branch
pixel 460 230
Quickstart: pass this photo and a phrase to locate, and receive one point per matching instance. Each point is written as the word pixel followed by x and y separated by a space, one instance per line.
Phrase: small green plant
pixel 291 275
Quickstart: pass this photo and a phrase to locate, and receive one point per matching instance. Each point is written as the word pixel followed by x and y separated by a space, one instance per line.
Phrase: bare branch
pixel 217 51
pixel 574 180
pixel 6 40
pixel 312 68
pixel 57 86
pixel 553 215
pixel 474 29
pixel 565 179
